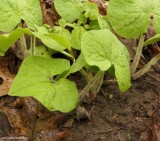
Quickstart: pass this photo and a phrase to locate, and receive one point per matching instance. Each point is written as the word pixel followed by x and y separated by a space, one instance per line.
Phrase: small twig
pixel 158 108
pixel 90 85
pixel 108 82
pixel 158 80
pixel 91 110
pixel 104 132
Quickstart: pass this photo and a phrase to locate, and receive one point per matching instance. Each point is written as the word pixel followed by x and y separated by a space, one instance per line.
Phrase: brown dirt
pixel 124 117
pixel 132 116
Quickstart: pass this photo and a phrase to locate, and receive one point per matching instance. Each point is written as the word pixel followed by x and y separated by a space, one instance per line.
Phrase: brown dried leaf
pixel 156 133
pixel 32 120
pixel 50 16
pixel 7 81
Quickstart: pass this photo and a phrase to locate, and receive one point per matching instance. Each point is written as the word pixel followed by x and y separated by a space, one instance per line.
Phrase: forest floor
pixel 113 116
pixel 132 116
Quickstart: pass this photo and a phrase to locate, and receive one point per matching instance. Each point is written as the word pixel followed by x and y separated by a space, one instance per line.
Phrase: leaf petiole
pixel 138 54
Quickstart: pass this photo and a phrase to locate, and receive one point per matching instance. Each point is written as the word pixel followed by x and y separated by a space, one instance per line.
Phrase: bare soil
pixel 132 116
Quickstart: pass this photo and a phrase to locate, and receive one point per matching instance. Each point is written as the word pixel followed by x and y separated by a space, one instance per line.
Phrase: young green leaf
pixel 63 23
pixel 58 41
pixel 68 9
pixel 78 64
pixel 12 11
pixel 10 15
pixel 40 30
pixel 65 33
pixel 101 48
pixel 7 40
pixel 75 67
pixel 35 78
pixel 31 12
pixel 131 18
pixel 76 36
pixel 54 41
pixel 4 44
pixel 42 51
pixel 91 10
pixel 103 22
pixel 94 25
pixel 152 40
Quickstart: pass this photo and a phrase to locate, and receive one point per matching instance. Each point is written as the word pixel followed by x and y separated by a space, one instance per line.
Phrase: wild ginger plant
pixel 131 19
pixel 85 37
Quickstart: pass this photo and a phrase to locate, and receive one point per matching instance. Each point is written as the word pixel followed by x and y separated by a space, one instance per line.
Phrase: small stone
pixel 82 113
pixel 103 138
pixel 69 123
pixel 150 113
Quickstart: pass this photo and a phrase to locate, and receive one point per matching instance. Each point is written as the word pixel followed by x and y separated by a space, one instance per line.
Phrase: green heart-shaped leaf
pixel 12 11
pixel 131 18
pixel 102 49
pixel 55 42
pixel 35 79
pixel 68 9
pixel 91 10
pixel 76 36
pixel 7 40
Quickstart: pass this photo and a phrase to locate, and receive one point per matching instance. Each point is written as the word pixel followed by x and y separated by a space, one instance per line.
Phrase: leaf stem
pixel 85 75
pixel 147 67
pixel 72 53
pixel 33 45
pixel 68 55
pixel 138 54
pixel 90 84
pixel 23 45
